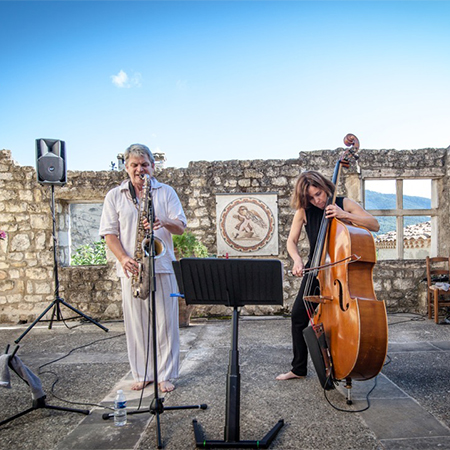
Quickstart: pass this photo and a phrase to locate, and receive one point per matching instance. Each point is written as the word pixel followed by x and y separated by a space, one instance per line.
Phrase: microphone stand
pixel 157 405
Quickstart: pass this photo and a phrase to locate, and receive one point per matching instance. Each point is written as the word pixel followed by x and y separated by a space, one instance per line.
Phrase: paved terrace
pixel 409 407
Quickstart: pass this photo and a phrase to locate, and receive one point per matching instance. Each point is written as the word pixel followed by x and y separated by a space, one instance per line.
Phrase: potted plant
pixel 187 245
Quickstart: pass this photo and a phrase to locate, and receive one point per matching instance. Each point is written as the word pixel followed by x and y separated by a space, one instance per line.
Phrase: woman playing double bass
pixel 309 199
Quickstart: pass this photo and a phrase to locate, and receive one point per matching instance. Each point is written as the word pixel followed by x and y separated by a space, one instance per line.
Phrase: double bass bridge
pixel 318 298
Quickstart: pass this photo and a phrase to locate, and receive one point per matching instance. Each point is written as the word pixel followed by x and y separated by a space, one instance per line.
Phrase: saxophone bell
pixel 141 281
pixel 160 247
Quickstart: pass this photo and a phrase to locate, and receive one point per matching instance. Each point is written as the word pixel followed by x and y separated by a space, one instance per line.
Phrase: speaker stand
pixel 55 304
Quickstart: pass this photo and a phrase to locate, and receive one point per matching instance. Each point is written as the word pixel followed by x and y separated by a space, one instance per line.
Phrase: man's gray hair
pixel 138 150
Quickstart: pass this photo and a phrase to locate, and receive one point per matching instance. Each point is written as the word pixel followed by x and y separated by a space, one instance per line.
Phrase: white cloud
pixel 122 80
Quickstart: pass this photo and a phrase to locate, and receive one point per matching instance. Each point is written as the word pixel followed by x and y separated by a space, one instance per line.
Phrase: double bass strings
pixel 315 262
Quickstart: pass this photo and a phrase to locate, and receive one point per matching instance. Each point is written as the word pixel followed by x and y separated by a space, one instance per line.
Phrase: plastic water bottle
pixel 120 409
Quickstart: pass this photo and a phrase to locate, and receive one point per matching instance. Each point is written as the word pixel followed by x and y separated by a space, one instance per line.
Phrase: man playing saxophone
pixel 120 226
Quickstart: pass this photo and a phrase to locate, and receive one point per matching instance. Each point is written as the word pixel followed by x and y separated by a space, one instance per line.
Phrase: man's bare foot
pixel 166 386
pixel 139 385
pixel 288 376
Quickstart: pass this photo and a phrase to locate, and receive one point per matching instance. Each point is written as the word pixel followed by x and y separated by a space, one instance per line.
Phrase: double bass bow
pixel 347 336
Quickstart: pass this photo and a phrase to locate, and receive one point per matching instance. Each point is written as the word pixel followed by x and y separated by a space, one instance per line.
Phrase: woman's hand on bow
pixel 298 268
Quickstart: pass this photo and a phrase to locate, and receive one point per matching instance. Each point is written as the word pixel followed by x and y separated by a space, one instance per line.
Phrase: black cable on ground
pixel 417 318
pixel 65 356
pixel 353 410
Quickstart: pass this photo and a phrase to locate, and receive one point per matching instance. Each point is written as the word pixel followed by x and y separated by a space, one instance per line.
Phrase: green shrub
pixel 89 254
pixel 187 245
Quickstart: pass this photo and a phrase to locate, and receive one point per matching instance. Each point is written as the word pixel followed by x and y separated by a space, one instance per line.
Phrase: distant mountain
pixel 377 200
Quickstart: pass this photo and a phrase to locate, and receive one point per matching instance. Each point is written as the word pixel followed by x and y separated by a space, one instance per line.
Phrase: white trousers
pixel 137 319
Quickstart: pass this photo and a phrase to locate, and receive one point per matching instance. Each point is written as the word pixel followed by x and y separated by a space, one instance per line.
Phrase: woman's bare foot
pixel 288 376
pixel 139 385
pixel 166 386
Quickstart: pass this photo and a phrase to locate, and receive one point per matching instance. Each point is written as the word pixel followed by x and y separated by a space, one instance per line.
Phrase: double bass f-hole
pixel 341 296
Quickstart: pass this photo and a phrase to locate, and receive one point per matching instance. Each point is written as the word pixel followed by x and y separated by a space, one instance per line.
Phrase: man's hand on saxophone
pixel 156 224
pixel 175 226
pixel 129 265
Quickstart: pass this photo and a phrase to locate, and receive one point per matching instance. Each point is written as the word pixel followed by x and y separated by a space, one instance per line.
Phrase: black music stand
pixel 233 283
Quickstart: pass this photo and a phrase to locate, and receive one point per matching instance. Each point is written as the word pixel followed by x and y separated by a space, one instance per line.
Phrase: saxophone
pixel 140 282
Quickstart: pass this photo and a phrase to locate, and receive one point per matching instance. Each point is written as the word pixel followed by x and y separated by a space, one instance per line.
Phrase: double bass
pixel 347 336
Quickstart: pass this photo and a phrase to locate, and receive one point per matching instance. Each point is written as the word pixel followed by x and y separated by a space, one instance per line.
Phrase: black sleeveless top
pixel 313 219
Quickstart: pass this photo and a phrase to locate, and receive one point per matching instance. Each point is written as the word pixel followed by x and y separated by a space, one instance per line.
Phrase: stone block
pixel 6 176
pixel 38 274
pixel 40 222
pixel 16 259
pixel 403 284
pixel 43 287
pixel 200 212
pixel 205 222
pixel 279 181
pixel 244 182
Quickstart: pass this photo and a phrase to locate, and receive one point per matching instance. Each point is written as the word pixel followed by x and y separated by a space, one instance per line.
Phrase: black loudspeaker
pixel 51 161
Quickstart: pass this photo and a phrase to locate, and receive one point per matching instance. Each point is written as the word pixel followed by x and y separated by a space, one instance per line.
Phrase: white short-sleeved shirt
pixel 120 218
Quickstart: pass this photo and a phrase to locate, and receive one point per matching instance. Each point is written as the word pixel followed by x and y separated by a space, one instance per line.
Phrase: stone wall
pixel 26 256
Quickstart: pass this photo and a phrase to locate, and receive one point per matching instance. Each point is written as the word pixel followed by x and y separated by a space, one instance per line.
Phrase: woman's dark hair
pixel 300 197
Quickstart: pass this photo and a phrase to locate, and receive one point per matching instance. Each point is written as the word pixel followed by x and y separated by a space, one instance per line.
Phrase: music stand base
pixel 263 443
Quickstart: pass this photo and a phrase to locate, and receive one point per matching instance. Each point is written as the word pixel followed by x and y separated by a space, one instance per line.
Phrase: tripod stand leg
pixel 173 408
pixel 82 314
pixel 35 322
pixel 16 416
pixel 158 431
pixel 41 404
pixel 56 312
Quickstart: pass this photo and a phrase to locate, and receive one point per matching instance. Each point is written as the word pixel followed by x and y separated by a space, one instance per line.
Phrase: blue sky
pixel 212 80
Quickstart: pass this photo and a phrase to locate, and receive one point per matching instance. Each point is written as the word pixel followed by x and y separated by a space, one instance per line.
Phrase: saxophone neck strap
pixel 133 193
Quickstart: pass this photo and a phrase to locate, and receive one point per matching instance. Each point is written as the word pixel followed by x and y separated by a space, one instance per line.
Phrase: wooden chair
pixel 437 271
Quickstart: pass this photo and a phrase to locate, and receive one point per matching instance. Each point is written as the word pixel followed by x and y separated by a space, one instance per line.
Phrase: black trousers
pixel 299 321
